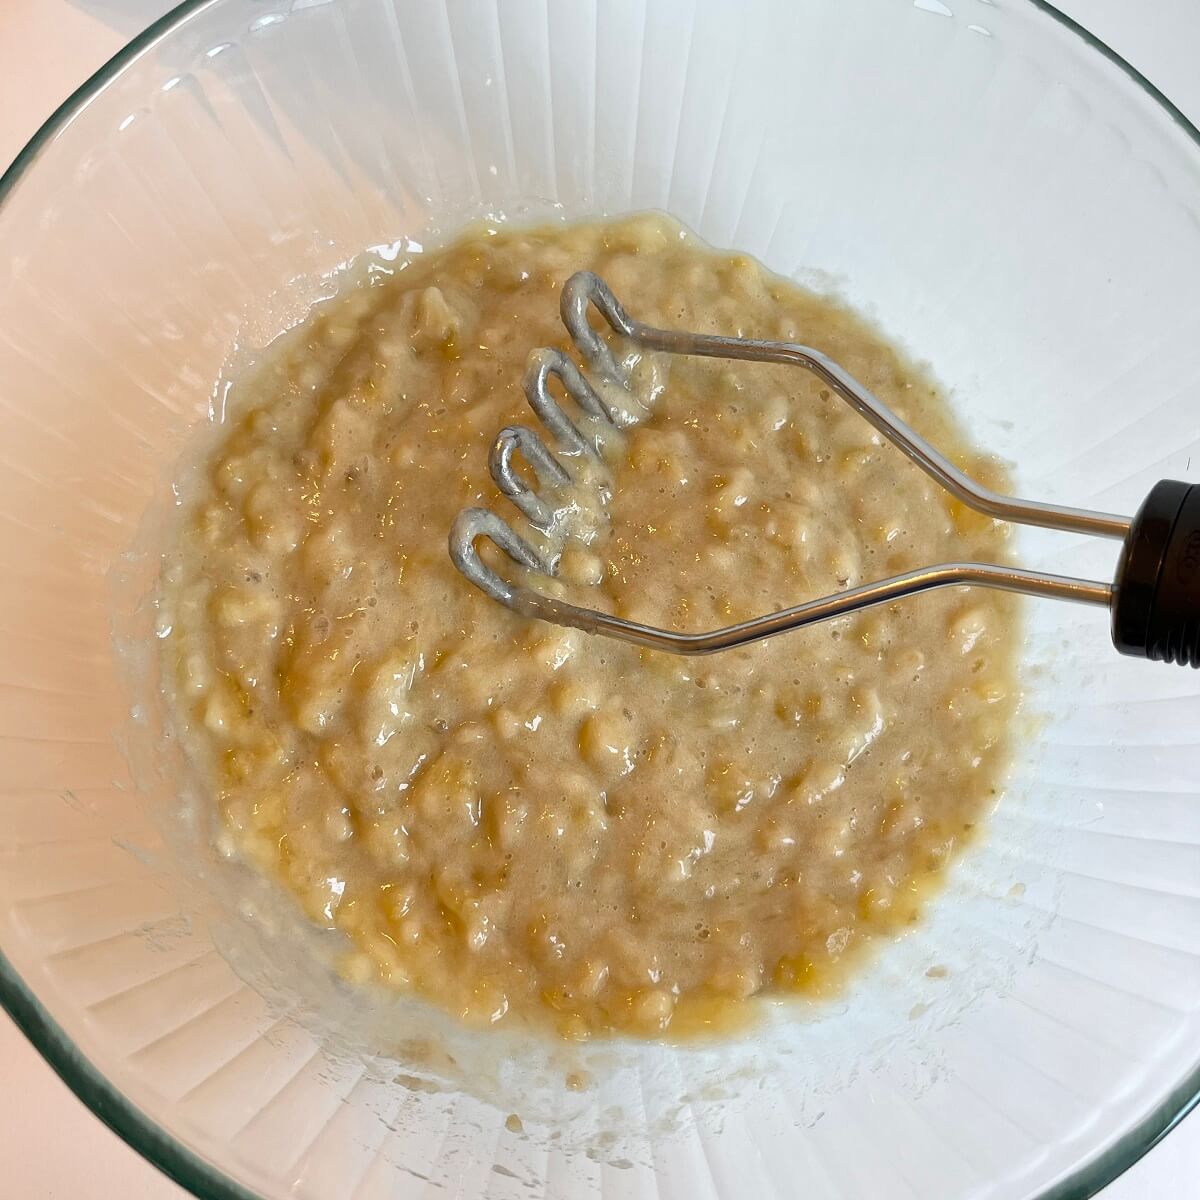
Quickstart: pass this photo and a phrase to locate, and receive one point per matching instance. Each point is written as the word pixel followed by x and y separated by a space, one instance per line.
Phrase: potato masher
pixel 1154 598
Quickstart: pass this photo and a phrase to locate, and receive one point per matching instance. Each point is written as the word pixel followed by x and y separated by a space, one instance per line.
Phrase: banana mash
pixel 518 821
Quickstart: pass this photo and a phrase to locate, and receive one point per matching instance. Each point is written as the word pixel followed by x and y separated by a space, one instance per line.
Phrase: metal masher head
pixel 1152 616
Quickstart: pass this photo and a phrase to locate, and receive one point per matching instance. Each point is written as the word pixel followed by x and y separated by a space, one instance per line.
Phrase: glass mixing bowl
pixel 1005 196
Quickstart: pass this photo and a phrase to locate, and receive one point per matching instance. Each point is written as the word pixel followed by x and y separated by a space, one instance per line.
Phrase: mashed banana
pixel 513 818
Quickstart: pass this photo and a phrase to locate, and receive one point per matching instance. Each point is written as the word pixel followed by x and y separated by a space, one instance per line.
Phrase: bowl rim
pixel 151 1140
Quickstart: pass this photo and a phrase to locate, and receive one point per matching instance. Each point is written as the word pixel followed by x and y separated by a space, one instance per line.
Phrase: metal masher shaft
pixel 585 288
pixel 533 604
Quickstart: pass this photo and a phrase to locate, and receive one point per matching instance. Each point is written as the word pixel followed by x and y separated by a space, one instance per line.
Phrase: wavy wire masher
pixel 1154 599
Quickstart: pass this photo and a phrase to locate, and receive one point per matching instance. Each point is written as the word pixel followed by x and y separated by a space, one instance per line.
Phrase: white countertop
pixel 51 1147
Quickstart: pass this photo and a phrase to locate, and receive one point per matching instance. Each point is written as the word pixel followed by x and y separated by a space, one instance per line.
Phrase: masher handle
pixel 1156 601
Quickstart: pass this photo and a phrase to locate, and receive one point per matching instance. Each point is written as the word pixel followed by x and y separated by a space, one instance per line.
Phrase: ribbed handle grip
pixel 1156 609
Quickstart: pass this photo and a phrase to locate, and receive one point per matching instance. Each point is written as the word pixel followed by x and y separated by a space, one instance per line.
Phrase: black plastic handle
pixel 1156 608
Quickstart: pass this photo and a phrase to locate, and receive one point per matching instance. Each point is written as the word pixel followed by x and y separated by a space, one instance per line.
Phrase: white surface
pixel 49 1145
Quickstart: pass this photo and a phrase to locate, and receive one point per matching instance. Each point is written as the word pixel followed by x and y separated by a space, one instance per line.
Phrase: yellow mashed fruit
pixel 519 821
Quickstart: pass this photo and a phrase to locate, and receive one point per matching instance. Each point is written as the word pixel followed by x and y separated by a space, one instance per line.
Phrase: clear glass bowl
pixel 1004 195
